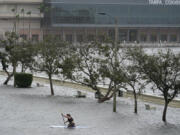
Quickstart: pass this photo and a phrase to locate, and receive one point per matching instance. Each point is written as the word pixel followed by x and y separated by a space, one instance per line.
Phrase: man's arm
pixel 65 116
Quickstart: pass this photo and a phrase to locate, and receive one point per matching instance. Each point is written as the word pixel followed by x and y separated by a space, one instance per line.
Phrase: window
pixel 79 38
pixel 45 36
pixel 35 37
pixel 153 37
pixel 173 38
pixel 143 37
pixel 90 38
pixel 133 35
pixel 101 38
pixel 111 34
pixel 58 37
pixel 23 36
pixel 163 37
pixel 69 38
pixel 127 13
pixel 1 36
pixel 122 35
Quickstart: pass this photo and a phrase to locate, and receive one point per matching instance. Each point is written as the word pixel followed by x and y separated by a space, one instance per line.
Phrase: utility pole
pixel 116 38
pixel 116 31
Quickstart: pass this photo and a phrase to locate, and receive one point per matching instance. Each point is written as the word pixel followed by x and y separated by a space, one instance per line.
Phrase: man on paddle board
pixel 69 119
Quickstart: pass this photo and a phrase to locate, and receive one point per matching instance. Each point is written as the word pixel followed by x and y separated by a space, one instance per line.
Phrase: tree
pixel 44 9
pixel 14 25
pixel 112 70
pixel 29 13
pixel 15 20
pixel 90 68
pixel 82 66
pixel 162 70
pixel 9 56
pixel 134 80
pixel 22 12
pixel 50 54
pixel 25 54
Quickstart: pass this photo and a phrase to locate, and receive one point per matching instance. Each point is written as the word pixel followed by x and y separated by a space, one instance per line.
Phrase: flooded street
pixel 32 111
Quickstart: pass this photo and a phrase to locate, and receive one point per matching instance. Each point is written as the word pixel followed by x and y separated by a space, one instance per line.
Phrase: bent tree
pixel 9 57
pixel 162 69
pixel 89 67
pixel 112 70
pixel 82 66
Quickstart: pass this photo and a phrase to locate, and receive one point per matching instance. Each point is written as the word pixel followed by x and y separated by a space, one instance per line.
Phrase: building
pixel 137 20
pixel 21 16
pixel 129 21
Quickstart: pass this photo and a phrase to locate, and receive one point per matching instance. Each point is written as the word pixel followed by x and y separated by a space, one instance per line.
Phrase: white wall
pixel 7 17
pixel 6 10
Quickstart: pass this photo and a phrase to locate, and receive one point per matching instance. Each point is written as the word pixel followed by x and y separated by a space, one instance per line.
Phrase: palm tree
pixel 14 27
pixel 43 9
pixel 29 13
pixel 22 11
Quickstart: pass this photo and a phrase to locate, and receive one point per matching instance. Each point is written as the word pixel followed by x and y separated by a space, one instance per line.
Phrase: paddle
pixel 63 118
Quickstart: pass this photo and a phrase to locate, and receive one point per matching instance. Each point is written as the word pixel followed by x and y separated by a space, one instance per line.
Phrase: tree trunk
pixel 8 78
pixel 106 97
pixel 30 28
pixel 103 99
pixel 51 85
pixel 22 68
pixel 135 101
pixel 164 112
pixel 14 71
pixel 114 100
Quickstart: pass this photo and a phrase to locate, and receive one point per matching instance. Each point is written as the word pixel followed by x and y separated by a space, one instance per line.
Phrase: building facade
pixel 21 16
pixel 137 20
pixel 143 21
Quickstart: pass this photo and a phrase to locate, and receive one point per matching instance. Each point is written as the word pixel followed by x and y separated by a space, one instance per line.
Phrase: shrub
pixel 23 80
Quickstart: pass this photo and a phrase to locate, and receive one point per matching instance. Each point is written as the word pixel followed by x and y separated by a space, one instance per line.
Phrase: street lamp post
pixel 116 49
pixel 115 28
pixel 116 31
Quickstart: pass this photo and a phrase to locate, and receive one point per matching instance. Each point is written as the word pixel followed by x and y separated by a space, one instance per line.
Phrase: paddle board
pixel 59 126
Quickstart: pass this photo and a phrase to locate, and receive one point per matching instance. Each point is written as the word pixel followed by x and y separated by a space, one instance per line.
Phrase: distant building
pixel 22 16
pixel 137 20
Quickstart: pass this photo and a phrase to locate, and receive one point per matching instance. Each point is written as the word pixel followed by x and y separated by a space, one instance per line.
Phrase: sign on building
pixel 164 2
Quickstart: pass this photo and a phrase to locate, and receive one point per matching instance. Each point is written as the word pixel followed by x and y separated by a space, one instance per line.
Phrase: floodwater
pixel 32 111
